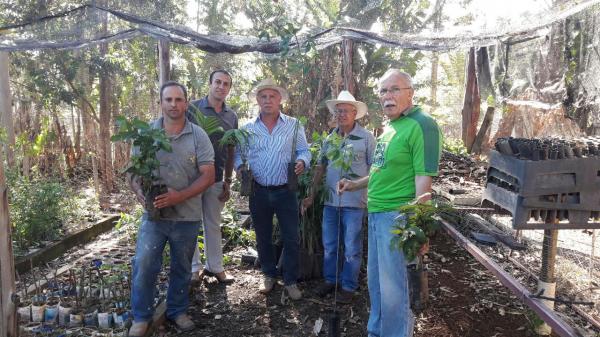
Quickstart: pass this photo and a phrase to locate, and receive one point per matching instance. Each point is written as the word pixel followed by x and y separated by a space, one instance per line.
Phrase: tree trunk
pixel 435 60
pixel 347 58
pixel 471 105
pixel 104 144
pixel 90 139
pixel 164 66
pixel 6 109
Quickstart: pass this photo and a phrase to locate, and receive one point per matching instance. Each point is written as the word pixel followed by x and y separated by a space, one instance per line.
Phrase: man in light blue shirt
pixel 343 214
pixel 269 152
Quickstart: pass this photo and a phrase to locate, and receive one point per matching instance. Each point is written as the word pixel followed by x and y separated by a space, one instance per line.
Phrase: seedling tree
pixel 241 139
pixel 143 163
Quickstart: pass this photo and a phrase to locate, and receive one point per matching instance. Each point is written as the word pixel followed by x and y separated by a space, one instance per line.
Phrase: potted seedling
pixel 143 162
pixel 415 224
pixel 241 139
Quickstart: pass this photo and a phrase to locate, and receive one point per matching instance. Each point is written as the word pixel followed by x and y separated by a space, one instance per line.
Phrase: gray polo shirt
pixel 363 158
pixel 179 169
pixel 228 120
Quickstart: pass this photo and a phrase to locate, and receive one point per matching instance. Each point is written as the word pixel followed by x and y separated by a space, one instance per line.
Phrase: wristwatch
pixel 227 180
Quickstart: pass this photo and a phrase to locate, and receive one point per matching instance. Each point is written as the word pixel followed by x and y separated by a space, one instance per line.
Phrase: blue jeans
pixel 388 283
pixel 151 241
pixel 283 203
pixel 350 234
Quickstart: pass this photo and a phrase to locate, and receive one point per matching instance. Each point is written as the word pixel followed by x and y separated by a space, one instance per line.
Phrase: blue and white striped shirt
pixel 269 153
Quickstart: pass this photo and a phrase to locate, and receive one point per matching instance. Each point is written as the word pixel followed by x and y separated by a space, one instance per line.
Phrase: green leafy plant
pixel 310 222
pixel 235 234
pixel 455 146
pixel 38 208
pixel 209 124
pixel 341 154
pixel 149 140
pixel 415 225
pixel 241 139
pixel 237 137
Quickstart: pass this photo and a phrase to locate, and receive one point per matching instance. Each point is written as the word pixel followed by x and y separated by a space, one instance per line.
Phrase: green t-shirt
pixel 409 146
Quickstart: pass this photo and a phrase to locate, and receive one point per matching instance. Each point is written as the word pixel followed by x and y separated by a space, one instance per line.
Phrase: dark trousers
pixel 264 202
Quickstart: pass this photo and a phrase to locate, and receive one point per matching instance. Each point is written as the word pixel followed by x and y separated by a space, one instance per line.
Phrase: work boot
pixel 267 286
pixel 293 292
pixel 344 296
pixel 184 322
pixel 138 329
pixel 325 288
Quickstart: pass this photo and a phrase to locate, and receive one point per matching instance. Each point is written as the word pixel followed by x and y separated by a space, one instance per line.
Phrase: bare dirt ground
pixel 465 300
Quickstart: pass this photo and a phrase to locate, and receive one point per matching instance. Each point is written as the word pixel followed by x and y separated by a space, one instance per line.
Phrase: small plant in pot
pixel 144 165
pixel 241 139
pixel 415 224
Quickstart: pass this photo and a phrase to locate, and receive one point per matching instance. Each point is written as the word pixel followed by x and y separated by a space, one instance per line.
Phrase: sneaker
pixel 344 296
pixel 138 329
pixel 325 288
pixel 184 322
pixel 293 292
pixel 267 286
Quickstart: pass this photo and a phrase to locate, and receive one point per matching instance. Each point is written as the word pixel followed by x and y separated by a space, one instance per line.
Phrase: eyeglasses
pixel 343 112
pixel 394 91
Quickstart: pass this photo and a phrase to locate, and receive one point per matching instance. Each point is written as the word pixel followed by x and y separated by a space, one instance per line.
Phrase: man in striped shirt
pixel 270 151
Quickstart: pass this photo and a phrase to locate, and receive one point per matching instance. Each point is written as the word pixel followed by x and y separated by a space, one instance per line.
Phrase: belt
pixel 272 187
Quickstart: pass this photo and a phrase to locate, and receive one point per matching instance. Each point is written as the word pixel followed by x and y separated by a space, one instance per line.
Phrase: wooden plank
pixel 8 314
pixel 52 251
pixel 164 66
pixel 471 103
pixel 483 133
pixel 6 119
pixel 347 58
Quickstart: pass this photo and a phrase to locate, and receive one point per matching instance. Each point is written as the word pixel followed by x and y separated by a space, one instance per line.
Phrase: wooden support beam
pixel 347 57
pixel 6 122
pixel 8 317
pixel 164 64
pixel 483 135
pixel 472 103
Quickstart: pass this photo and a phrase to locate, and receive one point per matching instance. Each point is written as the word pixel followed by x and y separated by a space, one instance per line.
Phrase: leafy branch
pixel 149 140
pixel 209 124
pixel 415 225
pixel 341 154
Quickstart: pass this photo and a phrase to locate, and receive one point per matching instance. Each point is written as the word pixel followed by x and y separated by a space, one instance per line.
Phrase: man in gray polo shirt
pixel 214 198
pixel 187 171
pixel 343 214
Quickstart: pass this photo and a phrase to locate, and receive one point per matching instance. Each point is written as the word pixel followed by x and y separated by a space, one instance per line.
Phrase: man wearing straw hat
pixel 343 214
pixel 406 157
pixel 270 149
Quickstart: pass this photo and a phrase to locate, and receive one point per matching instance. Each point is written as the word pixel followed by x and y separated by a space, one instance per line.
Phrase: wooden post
pixel 163 62
pixel 472 103
pixel 8 318
pixel 347 57
pixel 6 109
pixel 483 133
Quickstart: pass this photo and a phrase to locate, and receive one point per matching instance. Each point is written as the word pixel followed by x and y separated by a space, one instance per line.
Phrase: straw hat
pixel 346 97
pixel 269 84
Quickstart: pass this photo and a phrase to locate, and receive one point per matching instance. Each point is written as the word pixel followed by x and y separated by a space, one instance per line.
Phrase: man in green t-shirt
pixel 405 160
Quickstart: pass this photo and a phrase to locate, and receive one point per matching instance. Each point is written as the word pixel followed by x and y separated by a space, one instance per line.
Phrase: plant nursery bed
pixel 56 249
